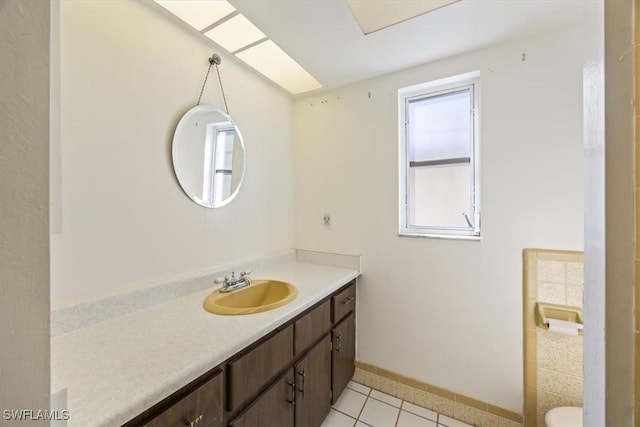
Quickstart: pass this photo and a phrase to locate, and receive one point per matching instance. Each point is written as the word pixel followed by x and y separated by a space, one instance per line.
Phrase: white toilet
pixel 564 416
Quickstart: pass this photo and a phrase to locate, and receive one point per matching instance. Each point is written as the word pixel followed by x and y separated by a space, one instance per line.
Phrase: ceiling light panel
pixel 374 15
pixel 235 33
pixel 275 64
pixel 198 13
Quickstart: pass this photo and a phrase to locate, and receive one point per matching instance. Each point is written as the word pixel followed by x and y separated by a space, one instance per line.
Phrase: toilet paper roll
pixel 564 327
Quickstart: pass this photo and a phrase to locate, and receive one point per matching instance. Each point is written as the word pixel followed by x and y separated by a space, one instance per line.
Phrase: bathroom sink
pixel 261 295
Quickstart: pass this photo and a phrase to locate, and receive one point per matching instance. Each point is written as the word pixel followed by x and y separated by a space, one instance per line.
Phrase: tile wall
pixel 553 362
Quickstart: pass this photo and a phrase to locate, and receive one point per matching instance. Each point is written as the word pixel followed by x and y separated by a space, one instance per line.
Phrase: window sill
pixel 440 236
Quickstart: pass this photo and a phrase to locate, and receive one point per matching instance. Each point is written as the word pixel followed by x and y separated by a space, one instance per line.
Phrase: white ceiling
pixel 324 37
pixel 379 14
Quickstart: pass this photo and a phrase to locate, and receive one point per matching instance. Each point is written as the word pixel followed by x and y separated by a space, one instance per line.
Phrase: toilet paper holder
pixel 546 311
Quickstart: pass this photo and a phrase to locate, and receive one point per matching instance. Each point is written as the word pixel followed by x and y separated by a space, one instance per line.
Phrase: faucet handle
pixel 245 273
pixel 219 280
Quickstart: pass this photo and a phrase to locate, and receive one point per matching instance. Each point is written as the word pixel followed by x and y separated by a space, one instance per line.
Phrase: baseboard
pixel 437 399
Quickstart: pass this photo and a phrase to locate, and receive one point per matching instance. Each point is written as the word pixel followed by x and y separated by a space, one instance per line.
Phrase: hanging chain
pixel 205 82
pixel 214 60
pixel 224 98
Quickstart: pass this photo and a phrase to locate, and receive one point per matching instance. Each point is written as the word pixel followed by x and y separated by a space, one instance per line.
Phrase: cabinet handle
pixel 194 422
pixel 348 300
pixel 292 396
pixel 303 375
pixel 339 342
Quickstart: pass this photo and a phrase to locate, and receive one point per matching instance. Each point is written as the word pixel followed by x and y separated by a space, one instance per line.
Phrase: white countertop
pixel 116 369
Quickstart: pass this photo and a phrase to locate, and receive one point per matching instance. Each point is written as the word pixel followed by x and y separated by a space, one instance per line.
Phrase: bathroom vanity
pixel 288 378
pixel 176 364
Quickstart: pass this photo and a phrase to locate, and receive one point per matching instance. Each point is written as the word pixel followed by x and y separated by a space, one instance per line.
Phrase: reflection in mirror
pixel 208 156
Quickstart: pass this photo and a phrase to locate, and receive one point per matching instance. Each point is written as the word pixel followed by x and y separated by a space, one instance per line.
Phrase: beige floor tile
pixel 466 413
pixel 451 422
pixel 371 380
pixel 418 410
pixel 406 393
pixel 388 386
pixel 358 376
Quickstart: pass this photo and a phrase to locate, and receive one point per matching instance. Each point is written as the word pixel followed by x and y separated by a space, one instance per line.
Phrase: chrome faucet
pixel 232 283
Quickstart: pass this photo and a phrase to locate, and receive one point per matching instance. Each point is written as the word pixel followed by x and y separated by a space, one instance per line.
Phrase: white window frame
pixel 438 87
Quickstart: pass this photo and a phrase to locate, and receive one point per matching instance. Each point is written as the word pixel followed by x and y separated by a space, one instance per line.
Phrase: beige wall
pixel 609 215
pixel 636 55
pixel 128 71
pixel 619 213
pixel 24 207
pixel 451 298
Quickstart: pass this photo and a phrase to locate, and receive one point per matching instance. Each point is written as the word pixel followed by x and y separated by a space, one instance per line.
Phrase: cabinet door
pixel 275 407
pixel 253 370
pixel 310 327
pixel 313 385
pixel 202 407
pixel 343 355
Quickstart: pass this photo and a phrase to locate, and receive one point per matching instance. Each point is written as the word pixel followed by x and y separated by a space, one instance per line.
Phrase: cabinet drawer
pixel 344 302
pixel 203 406
pixel 311 326
pixel 253 370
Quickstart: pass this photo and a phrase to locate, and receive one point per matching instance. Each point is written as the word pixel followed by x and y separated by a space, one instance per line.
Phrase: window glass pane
pixel 440 126
pixel 218 161
pixel 438 195
pixel 223 163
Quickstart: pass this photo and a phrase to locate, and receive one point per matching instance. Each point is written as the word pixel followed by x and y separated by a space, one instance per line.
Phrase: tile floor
pixel 360 406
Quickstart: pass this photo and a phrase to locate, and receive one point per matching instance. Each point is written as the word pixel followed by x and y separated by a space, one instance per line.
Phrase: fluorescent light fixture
pixel 235 33
pixel 374 15
pixel 275 64
pixel 198 13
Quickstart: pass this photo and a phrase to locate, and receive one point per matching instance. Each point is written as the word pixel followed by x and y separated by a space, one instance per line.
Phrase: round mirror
pixel 208 156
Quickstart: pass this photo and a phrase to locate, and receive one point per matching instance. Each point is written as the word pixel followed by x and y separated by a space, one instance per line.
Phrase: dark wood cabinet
pixel 250 372
pixel 311 326
pixel 343 337
pixel 343 355
pixel 274 407
pixel 313 385
pixel 344 302
pixel 201 407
